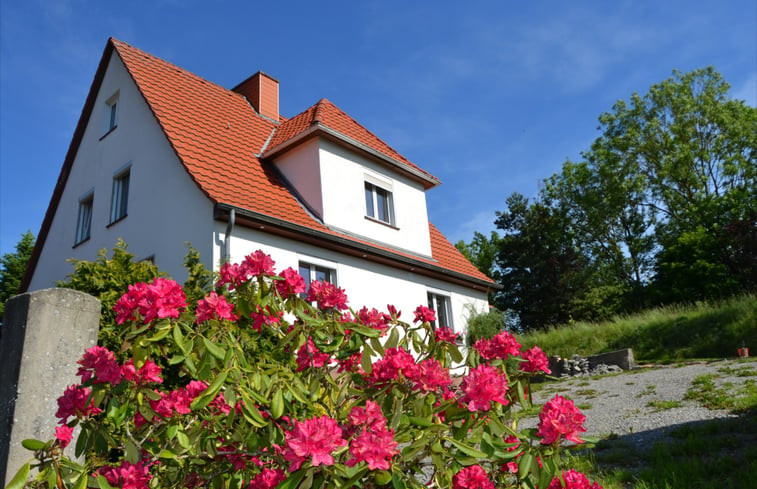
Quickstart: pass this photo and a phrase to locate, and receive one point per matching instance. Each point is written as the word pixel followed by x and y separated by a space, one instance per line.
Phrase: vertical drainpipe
pixel 227 239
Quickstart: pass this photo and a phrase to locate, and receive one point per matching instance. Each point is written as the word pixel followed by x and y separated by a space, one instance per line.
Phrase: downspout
pixel 227 239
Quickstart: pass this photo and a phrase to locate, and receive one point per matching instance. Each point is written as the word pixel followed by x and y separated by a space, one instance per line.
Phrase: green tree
pixel 108 279
pixel 482 252
pixel 12 268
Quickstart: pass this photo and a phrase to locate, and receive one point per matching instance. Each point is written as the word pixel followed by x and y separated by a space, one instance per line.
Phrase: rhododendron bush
pixel 270 385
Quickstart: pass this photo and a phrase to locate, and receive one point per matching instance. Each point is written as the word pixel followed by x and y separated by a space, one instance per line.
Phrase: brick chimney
pixel 262 91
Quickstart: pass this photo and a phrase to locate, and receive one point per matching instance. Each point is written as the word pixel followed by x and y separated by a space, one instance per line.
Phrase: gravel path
pixel 619 404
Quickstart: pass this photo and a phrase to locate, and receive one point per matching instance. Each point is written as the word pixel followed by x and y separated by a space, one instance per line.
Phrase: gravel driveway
pixel 620 404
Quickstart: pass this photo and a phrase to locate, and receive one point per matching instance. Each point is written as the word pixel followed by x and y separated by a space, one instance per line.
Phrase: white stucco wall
pixel 165 207
pixel 301 166
pixel 366 283
pixel 343 176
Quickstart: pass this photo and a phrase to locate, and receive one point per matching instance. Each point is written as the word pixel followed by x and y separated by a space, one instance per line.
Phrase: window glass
pixel 311 272
pixel 84 219
pixel 120 198
pixel 378 203
pixel 440 304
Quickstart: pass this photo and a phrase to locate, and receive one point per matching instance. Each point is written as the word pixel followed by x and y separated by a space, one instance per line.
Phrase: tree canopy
pixel 12 268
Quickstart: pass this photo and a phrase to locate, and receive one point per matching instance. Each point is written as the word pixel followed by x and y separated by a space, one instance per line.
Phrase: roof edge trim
pixel 351 247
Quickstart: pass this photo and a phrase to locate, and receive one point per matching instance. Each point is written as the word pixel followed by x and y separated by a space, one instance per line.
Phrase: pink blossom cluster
pixel 214 306
pixel 428 375
pixel 424 315
pixel 100 363
pixel 374 442
pixel 446 334
pixel 395 361
pixel 292 284
pixel 560 418
pixel 267 479
pixel 309 356
pixel 313 439
pixel 536 360
pixel 127 475
pixel 482 386
pixel 351 363
pixel 327 296
pixel 64 434
pixel 254 265
pixel 265 316
pixel 177 401
pixel 147 373
pixel 472 477
pixel 163 298
pixel 502 345
pixel 573 480
pixel 374 319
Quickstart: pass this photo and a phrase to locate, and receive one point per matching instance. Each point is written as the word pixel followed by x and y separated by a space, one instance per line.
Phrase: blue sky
pixel 491 97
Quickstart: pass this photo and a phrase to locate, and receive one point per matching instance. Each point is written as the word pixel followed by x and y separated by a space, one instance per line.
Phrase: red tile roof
pixel 218 137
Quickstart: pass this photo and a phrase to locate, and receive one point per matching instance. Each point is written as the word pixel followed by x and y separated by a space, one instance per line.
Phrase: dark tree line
pixel 662 208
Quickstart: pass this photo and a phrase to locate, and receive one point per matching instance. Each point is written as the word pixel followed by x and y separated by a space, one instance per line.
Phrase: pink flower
pixel 502 345
pixel 73 402
pixel 327 296
pixel 374 319
pixel 446 334
pixel 179 400
pixel 376 447
pixel 148 373
pixel 428 376
pixel 232 274
pixel 127 475
pixel 162 299
pixel 371 416
pixel 258 263
pixel 102 362
pixel 292 284
pixel 309 356
pixel 387 368
pixel 214 306
pixel 573 480
pixel 484 385
pixel 267 479
pixel 559 417
pixel 350 364
pixel 472 477
pixel 393 311
pixel 264 316
pixel 424 315
pixel 536 360
pixel 315 438
pixel 64 434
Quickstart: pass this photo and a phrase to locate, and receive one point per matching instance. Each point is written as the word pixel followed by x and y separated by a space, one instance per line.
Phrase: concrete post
pixel 43 334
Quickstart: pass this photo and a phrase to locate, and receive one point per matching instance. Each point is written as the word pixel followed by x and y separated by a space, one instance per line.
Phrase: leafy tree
pixel 541 266
pixel 482 252
pixel 484 325
pixel 12 268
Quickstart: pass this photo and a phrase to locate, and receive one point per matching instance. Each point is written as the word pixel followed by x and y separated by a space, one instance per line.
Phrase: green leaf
pixel 81 482
pixel 454 353
pixel 394 338
pixel 214 349
pixel 102 482
pixel 210 393
pixel 171 431
pixel 292 481
pixel 183 439
pixel 466 449
pixel 352 480
pixel 365 360
pixel 277 404
pixel 398 482
pixel 32 444
pixel 365 330
pixel 166 453
pixel 131 452
pixel 417 421
pixel 19 480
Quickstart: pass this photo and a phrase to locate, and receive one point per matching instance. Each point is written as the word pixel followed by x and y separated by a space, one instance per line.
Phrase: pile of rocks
pixel 595 365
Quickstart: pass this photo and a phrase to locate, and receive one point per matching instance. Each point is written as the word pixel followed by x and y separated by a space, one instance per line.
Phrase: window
pixel 312 272
pixel 120 197
pixel 378 203
pixel 110 118
pixel 441 305
pixel 84 220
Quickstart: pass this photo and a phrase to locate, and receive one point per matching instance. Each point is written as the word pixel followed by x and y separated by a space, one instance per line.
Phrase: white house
pixel 161 157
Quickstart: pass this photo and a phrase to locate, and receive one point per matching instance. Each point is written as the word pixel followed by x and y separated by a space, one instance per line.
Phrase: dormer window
pixel 110 117
pixel 378 203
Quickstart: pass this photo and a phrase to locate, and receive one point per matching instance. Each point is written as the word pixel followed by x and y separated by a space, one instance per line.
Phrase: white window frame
pixel 441 301
pixel 84 217
pixel 373 188
pixel 119 199
pixel 314 265
pixel 110 114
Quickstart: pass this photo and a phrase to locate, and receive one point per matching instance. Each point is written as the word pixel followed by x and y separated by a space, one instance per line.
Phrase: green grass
pixel 664 335
pixel 660 405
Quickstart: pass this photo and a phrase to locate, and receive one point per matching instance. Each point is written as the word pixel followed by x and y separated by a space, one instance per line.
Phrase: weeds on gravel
pixel 733 397
pixel 660 405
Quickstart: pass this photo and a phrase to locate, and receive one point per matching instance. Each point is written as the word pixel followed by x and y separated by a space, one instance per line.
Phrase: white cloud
pixel 747 90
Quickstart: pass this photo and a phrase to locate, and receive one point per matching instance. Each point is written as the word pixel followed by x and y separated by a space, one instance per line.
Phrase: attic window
pixel 120 197
pixel 84 219
pixel 379 204
pixel 110 117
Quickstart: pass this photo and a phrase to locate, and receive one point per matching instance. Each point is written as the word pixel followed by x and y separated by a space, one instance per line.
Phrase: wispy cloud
pixel 747 90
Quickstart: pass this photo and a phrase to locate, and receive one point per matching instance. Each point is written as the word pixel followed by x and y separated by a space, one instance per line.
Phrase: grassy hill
pixel 665 334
